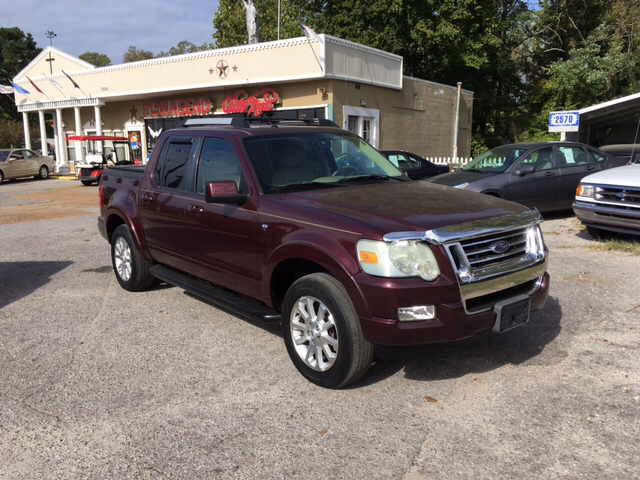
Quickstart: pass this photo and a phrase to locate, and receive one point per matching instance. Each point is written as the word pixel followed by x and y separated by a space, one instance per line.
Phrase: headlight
pixel 407 258
pixel 462 186
pixel 584 191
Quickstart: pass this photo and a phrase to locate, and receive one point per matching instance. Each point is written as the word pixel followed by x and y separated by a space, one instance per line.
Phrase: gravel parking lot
pixel 97 382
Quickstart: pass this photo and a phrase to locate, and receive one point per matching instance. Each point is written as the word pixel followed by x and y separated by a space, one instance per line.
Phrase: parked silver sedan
pixel 22 162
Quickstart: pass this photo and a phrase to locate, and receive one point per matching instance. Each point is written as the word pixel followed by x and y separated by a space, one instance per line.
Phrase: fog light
pixel 417 313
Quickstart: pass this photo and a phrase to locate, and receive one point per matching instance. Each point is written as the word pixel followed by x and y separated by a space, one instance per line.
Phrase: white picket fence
pixel 453 161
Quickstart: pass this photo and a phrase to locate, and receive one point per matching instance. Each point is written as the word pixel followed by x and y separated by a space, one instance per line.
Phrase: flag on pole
pixel 53 82
pixel 71 80
pixel 19 89
pixel 6 89
pixel 311 35
pixel 34 85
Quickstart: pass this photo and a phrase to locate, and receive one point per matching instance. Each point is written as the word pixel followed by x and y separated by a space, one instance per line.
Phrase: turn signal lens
pixel 368 257
pixel 584 190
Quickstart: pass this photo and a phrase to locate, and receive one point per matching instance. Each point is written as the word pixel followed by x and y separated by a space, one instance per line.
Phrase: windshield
pixel 310 161
pixel 496 160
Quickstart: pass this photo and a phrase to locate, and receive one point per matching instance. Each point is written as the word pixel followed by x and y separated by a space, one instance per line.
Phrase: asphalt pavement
pixel 97 382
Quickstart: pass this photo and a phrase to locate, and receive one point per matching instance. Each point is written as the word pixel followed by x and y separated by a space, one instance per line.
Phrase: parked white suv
pixel 610 200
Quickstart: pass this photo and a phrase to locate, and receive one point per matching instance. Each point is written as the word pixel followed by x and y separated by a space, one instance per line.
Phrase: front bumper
pixel 456 319
pixel 624 220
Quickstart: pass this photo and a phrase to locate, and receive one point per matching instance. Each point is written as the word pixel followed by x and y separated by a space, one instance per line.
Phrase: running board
pixel 234 302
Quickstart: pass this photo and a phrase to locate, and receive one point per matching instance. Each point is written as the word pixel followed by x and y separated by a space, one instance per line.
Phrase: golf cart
pixel 95 162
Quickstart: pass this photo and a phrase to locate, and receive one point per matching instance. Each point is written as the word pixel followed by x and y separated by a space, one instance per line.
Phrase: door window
pixel 541 159
pixel 218 162
pixel 599 157
pixel 172 169
pixel 572 156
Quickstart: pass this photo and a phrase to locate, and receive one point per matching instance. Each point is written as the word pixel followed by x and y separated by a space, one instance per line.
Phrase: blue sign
pixel 564 121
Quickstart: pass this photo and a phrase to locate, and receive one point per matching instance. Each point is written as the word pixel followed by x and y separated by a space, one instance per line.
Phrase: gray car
pixel 541 175
pixel 22 162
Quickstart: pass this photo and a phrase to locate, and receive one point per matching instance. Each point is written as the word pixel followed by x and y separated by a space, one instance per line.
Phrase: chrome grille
pixel 479 252
pixel 618 197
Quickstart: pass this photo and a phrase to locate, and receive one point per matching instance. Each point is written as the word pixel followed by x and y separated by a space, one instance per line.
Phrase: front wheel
pixel 131 268
pixel 322 332
pixel 43 172
pixel 1 176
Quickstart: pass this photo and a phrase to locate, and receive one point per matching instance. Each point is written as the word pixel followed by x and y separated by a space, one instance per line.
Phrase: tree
pixel 17 49
pixel 94 58
pixel 230 23
pixel 135 54
pixel 183 47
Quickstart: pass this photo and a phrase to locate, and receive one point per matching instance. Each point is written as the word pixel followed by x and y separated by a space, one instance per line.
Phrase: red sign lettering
pixel 241 102
pixel 182 107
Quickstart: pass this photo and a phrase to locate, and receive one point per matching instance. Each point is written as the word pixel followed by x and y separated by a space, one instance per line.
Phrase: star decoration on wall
pixel 223 69
pixel 235 68
pixel 211 70
pixel 134 112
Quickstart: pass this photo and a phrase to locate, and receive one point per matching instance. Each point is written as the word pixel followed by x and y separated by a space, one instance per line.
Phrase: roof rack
pixel 239 122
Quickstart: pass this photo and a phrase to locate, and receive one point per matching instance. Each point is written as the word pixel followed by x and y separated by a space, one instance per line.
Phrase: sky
pixel 110 27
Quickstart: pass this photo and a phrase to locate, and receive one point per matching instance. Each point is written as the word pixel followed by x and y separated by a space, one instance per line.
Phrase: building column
pixel 98 116
pixel 78 145
pixel 62 166
pixel 27 134
pixel 43 133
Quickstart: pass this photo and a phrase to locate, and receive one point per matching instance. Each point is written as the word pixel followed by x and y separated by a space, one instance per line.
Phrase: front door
pixel 222 237
pixel 540 188
pixel 15 165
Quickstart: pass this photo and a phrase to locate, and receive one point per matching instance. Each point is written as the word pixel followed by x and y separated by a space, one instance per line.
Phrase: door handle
pixel 591 167
pixel 146 197
pixel 195 210
pixel 550 173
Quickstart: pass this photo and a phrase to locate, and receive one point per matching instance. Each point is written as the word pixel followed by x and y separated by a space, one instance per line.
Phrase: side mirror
pixel 224 192
pixel 525 169
pixel 13 157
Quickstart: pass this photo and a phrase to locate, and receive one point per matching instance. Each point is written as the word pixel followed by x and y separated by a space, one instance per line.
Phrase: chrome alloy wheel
pixel 122 255
pixel 314 333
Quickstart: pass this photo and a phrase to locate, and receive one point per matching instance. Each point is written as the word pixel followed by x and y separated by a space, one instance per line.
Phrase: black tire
pixel 43 173
pixel 340 324
pixel 86 182
pixel 130 267
pixel 595 233
pixel 1 176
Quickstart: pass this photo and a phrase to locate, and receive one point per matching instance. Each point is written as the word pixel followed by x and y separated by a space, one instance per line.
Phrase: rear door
pixel 539 189
pixel 162 205
pixel 222 237
pixel 31 162
pixel 574 164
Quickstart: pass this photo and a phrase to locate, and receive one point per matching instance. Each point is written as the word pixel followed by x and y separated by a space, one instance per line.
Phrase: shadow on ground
pixel 19 279
pixel 492 351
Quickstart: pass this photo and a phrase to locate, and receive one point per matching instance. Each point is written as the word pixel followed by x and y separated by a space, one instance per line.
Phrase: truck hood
pixel 627 176
pixel 404 206
pixel 458 178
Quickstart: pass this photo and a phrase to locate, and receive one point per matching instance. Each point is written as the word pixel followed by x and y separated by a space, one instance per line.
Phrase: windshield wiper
pixel 305 185
pixel 365 177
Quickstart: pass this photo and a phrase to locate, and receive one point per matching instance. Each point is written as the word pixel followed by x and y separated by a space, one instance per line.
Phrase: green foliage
pixel 230 22
pixel 94 58
pixel 135 54
pixel 12 133
pixel 17 49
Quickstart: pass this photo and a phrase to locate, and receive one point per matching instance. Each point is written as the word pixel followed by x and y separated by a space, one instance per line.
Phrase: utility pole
pixel 455 133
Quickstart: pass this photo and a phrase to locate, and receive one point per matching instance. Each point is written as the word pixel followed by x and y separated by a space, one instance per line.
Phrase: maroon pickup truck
pixel 310 225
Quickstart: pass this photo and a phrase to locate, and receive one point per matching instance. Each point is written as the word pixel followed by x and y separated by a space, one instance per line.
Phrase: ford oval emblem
pixel 500 246
pixel 621 195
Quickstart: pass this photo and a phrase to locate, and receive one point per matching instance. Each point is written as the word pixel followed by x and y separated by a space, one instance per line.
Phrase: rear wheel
pixel 322 332
pixel 131 268
pixel 86 182
pixel 1 176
